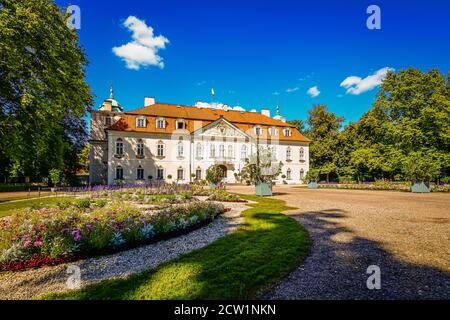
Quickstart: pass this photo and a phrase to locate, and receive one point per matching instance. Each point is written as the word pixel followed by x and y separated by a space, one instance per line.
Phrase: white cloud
pixel 289 90
pixel 142 51
pixel 201 83
pixel 357 85
pixel 276 93
pixel 218 106
pixel 313 91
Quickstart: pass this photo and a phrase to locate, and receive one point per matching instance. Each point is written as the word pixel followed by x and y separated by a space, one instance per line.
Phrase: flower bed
pixel 441 188
pixel 379 185
pixel 86 227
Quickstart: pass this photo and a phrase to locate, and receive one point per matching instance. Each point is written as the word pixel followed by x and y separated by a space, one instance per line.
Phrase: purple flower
pixel 76 234
pixel 89 227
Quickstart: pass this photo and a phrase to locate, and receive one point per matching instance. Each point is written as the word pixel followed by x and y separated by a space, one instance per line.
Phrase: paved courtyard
pixel 407 235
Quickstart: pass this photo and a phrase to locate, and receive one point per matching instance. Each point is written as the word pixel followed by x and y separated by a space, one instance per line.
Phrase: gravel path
pixel 406 235
pixel 35 282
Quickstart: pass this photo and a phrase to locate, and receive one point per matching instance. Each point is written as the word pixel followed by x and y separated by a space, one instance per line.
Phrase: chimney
pixel 265 112
pixel 149 101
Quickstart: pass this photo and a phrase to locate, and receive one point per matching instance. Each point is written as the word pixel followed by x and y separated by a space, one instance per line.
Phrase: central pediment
pixel 221 128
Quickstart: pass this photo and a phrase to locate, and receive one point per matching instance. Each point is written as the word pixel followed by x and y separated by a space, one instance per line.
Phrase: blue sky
pixel 248 52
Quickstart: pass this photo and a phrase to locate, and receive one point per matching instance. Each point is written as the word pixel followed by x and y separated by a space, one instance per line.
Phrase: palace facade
pixel 179 143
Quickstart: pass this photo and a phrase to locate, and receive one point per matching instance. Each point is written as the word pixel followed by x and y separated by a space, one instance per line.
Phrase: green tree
pixel 410 116
pixel 43 93
pixel 323 129
pixel 299 124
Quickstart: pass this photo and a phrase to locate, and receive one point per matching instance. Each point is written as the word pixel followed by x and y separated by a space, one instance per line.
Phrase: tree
pixel 299 124
pixel 215 173
pixel 410 115
pixel 324 131
pixel 43 93
pixel 261 167
pixel 421 167
pixel 83 158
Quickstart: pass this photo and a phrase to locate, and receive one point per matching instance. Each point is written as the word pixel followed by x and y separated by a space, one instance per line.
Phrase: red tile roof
pixel 241 119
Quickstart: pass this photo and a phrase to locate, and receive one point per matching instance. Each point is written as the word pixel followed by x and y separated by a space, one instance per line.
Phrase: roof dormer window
pixel 140 122
pixel 258 130
pixel 180 124
pixel 287 132
pixel 273 131
pixel 160 123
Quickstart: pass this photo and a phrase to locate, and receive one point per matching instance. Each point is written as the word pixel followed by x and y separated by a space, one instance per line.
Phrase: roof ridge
pixel 211 109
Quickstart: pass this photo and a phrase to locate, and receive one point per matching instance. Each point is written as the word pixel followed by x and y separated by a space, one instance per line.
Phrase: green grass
pixel 7 208
pixel 22 197
pixel 238 266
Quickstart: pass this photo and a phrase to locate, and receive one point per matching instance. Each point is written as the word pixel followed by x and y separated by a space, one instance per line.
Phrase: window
pixel 274 153
pixel 180 124
pixel 302 154
pixel 160 149
pixel 119 146
pixel 119 173
pixel 288 153
pixel 160 123
pixel 302 174
pixel 287 132
pixel 198 150
pixel 180 174
pixel 198 174
pixel 273 131
pixel 230 151
pixel 221 151
pixel 108 121
pixel 160 174
pixel 288 174
pixel 180 149
pixel 140 173
pixel 140 148
pixel 213 151
pixel 244 152
pixel 140 122
pixel 258 131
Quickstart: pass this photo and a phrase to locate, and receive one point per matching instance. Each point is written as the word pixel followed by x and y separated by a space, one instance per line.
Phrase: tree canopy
pixel 43 93
pixel 404 136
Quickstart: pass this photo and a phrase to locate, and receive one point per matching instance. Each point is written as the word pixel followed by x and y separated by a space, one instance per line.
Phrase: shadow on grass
pixel 237 266
pixel 336 268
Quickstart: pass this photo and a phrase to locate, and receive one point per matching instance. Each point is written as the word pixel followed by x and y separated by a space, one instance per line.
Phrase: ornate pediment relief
pixel 222 129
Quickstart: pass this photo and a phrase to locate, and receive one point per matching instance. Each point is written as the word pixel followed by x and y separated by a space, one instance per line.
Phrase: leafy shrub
pixel 220 195
pixel 83 203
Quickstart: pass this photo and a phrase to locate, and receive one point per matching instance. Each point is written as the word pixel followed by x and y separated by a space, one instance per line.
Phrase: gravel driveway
pixel 407 235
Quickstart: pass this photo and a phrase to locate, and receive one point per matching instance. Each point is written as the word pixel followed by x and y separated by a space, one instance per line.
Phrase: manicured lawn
pixel 10 196
pixel 7 208
pixel 238 266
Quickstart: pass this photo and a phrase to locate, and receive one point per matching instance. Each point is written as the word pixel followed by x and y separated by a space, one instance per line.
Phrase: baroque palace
pixel 179 143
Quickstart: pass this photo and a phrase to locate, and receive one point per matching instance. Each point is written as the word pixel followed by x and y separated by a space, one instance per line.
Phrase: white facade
pixel 132 156
pixel 194 154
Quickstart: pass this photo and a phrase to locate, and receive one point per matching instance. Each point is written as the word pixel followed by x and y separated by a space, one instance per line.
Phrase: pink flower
pixel 41 227
pixel 38 243
pixel 27 243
